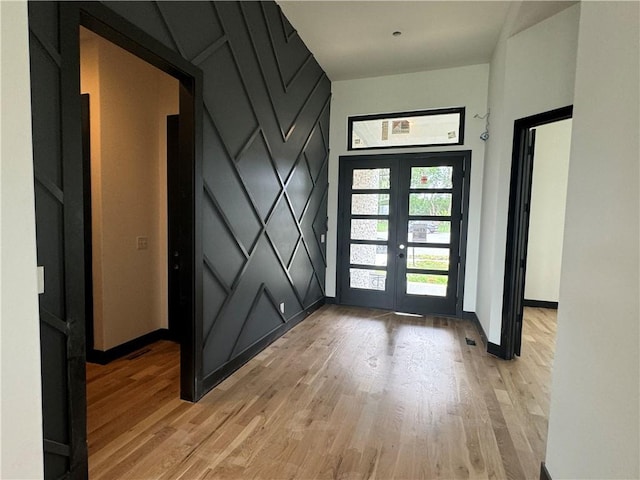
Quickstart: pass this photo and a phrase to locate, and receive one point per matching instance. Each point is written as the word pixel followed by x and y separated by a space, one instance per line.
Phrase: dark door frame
pixel 518 227
pixel 114 28
pixel 462 253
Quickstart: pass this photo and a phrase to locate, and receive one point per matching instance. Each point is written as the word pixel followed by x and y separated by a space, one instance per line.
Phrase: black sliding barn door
pixel 58 174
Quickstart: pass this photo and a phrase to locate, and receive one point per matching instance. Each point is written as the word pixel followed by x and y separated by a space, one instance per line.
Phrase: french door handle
pixel 401 247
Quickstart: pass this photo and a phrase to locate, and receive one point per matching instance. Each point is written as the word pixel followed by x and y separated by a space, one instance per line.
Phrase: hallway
pixel 348 393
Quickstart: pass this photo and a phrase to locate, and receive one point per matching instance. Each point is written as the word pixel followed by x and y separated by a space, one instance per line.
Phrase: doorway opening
pixel 130 139
pixel 402 233
pixel 537 227
pixel 126 102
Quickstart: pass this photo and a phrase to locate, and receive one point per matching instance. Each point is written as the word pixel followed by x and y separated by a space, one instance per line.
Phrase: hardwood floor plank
pixel 349 393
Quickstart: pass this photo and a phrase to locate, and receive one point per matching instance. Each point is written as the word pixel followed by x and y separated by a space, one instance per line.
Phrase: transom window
pixel 443 126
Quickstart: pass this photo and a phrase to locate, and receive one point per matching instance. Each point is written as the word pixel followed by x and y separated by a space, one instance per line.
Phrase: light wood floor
pixel 349 393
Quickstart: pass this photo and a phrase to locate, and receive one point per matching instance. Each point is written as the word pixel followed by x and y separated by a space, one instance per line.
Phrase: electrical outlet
pixel 142 243
pixel 282 307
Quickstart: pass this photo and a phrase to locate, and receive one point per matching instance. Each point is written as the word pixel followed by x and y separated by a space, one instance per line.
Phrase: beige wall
pixel 21 405
pixel 546 220
pixel 130 100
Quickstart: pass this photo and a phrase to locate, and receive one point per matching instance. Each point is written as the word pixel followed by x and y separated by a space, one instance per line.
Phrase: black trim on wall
pixel 496 350
pixel 518 226
pixel 544 473
pixel 107 356
pixel 254 127
pixel 540 304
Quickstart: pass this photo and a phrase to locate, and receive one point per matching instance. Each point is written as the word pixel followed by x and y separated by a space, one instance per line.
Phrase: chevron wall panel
pixel 265 135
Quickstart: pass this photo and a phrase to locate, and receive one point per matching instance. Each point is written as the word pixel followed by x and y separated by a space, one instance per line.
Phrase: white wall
pixel 531 72
pixel 546 219
pixel 130 100
pixel 21 411
pixel 594 425
pixel 464 86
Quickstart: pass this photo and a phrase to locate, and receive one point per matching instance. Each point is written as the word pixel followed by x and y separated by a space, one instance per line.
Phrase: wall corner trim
pixel 544 473
pixel 496 350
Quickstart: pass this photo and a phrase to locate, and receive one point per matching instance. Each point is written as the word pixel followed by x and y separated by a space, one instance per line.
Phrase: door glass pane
pixel 428 258
pixel 430 204
pixel 422 284
pixel 362 229
pixel 370 204
pixel 368 255
pixel 431 177
pixel 370 178
pixel 367 279
pixel 428 231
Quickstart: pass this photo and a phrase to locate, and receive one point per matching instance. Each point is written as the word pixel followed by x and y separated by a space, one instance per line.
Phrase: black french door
pixel 402 230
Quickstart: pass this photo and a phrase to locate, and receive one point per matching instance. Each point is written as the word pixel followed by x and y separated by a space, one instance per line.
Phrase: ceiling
pixel 354 39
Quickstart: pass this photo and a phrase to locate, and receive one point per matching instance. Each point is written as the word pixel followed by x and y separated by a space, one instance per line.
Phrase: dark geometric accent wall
pixel 265 151
pixel 265 127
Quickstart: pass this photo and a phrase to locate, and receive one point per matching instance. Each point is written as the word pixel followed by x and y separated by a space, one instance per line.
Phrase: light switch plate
pixel 142 243
pixel 282 307
pixel 40 280
pixel 322 238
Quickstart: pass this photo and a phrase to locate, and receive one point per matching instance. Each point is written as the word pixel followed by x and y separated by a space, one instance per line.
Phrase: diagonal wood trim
pixel 292 127
pixel 283 265
pixel 285 84
pixel 53 321
pixel 284 32
pixel 56 448
pixel 324 195
pixel 49 186
pixel 208 51
pixel 48 48
pixel 169 30
pixel 253 307
pixel 234 167
pixel 216 275
pixel 212 198
pixel 249 142
pixel 262 71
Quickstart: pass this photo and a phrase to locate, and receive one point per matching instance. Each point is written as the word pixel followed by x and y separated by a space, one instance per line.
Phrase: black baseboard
pixel 330 300
pixel 107 356
pixel 496 350
pixel 227 369
pixel 540 304
pixel 544 473
pixel 476 321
